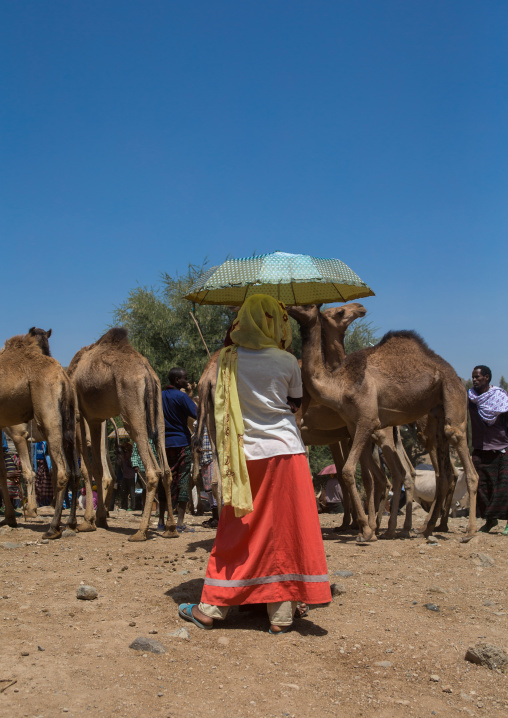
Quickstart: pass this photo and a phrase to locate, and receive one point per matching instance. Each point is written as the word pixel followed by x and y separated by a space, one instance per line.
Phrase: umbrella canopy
pixel 330 469
pixel 291 278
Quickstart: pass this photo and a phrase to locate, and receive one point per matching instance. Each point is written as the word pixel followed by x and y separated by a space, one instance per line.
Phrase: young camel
pixel 111 378
pixel 396 382
pixel 33 385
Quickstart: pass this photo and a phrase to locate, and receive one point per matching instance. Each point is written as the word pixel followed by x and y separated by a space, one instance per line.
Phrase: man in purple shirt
pixel 177 408
pixel 488 409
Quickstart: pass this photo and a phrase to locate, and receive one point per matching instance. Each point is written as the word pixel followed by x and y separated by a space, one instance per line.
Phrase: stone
pixel 434 678
pixel 432 540
pixel 436 589
pixel 69 533
pixel 223 641
pixel 147 644
pixel 132 624
pixel 25 653
pixel 86 593
pixel 337 589
pixel 40 648
pixel 45 541
pixel 182 633
pixel 344 574
pixel 489 603
pixel 10 545
pixel 485 654
pixel 483 560
pixel 447 689
pixel 383 664
pixel 431 607
pixel 153 631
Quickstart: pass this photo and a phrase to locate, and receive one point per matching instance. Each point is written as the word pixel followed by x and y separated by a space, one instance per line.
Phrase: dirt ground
pixel 371 652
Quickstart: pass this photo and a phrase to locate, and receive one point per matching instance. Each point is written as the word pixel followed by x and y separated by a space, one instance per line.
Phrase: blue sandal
pixel 185 612
pixel 283 630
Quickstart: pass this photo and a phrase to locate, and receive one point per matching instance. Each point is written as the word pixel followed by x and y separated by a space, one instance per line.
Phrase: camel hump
pixel 116 335
pixel 405 334
pixel 21 342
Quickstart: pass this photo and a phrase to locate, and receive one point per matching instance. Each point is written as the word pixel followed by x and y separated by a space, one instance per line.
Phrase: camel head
pixel 42 338
pixel 341 317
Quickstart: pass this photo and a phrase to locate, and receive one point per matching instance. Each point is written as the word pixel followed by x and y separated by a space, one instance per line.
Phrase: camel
pixel 33 385
pixel 395 382
pixel 111 378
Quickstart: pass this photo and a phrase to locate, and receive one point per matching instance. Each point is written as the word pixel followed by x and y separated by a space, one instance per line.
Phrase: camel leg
pixel 451 477
pixel 380 484
pixel 338 454
pixel 28 475
pixel 409 485
pixel 74 483
pixel 398 474
pixel 10 513
pixel 96 438
pixel 457 438
pixel 443 452
pixel 88 523
pixel 170 526
pixel 368 485
pixel 61 472
pixel 362 433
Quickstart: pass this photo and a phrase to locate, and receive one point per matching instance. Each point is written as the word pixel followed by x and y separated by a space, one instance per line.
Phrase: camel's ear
pixel 31 331
pixel 49 333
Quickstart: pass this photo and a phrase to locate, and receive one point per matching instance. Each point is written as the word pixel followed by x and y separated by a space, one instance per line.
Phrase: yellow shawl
pixel 262 322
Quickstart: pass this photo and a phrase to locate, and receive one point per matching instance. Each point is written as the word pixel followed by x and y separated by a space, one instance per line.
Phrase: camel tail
pixel 152 409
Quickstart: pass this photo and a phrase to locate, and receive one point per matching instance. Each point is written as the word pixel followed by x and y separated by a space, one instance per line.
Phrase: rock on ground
pixel 485 654
pixel 86 593
pixel 147 644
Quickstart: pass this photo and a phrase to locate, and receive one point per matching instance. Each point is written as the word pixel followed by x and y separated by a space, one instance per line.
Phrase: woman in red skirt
pixel 268 547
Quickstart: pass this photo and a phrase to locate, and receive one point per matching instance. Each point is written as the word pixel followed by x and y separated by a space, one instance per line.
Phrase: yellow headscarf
pixel 262 322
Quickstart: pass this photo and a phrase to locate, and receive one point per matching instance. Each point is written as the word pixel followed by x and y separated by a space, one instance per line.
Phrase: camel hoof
pixel 138 536
pixel 9 522
pixel 72 527
pixel 443 529
pixel 101 523
pixel 467 539
pixel 30 513
pixel 404 534
pixel 171 533
pixel 387 536
pixel 342 529
pixel 366 536
pixel 85 527
pixel 52 534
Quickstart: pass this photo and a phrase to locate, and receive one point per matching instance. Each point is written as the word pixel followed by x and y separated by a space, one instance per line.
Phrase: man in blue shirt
pixel 177 407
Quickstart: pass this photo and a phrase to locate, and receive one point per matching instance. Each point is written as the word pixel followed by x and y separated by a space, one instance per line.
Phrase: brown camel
pixel 33 385
pixel 320 421
pixel 111 378
pixel 396 382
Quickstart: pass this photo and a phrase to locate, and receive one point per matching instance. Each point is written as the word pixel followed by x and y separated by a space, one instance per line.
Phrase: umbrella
pixel 291 278
pixel 330 469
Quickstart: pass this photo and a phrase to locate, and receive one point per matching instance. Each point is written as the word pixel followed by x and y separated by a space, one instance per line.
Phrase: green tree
pixel 503 383
pixel 161 327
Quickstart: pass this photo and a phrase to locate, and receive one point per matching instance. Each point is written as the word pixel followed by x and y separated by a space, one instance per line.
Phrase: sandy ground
pixel 371 652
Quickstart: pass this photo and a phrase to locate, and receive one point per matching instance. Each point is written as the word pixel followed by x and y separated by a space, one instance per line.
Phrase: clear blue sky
pixel 137 137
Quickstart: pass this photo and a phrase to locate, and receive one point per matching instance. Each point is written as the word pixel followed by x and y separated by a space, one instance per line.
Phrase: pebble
pixel 182 633
pixel 344 574
pixel 337 589
pixel 383 664
pixel 160 695
pixel 147 644
pixel 86 593
pixel 291 685
pixel 432 540
pixel 132 624
pixel 10 545
pixel 447 689
pixel 40 648
pixel 183 573
pixel 434 678
pixel 431 607
pixel 69 533
pixel 223 641
pixel 489 603
pixel 25 653
pixel 45 541
pixel 403 703
pixel 153 631
pixel 436 589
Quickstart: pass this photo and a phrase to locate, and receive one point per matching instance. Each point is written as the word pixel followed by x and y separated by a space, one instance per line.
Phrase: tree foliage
pixel 161 327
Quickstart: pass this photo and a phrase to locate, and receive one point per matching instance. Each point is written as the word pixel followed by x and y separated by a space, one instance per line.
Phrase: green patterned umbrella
pixel 292 278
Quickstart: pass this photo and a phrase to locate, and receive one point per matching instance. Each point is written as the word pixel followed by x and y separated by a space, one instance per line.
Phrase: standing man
pixel 488 409
pixel 178 408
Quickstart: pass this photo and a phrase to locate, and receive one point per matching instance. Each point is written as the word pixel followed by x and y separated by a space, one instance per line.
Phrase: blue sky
pixel 137 137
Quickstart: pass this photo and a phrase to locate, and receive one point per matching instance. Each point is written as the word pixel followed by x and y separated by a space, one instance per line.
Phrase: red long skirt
pixel 276 552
